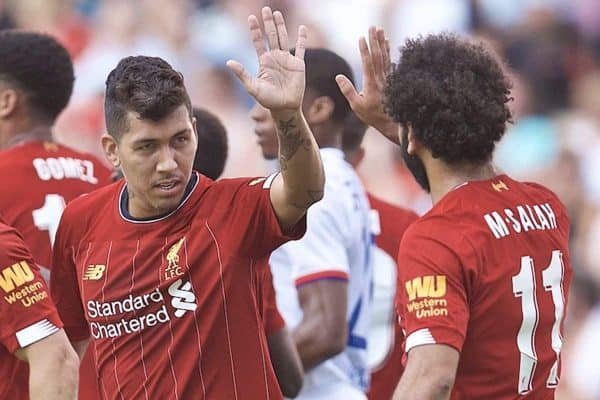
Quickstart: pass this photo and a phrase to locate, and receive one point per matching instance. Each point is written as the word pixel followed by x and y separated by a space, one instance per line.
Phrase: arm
pixel 323 331
pixel 279 87
pixel 429 373
pixel 80 347
pixel 286 362
pixel 53 368
pixel 368 104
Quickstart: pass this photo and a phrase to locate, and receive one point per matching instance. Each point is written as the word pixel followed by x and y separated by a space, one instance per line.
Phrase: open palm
pixel 281 78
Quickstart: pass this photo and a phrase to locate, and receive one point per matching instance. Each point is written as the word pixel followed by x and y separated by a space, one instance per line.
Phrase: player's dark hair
pixel 322 66
pixel 147 86
pixel 39 67
pixel 353 133
pixel 453 94
pixel 211 154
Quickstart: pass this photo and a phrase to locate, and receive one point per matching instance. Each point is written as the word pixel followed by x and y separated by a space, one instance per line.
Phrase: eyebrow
pixel 144 141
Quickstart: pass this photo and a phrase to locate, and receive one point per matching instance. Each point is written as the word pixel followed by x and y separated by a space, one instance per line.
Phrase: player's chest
pixel 113 270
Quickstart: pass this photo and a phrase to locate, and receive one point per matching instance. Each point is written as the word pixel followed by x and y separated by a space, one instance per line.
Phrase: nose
pixel 166 161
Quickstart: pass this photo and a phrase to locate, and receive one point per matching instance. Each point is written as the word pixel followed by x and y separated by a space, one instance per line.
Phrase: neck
pixel 444 179
pixel 40 132
pixel 328 135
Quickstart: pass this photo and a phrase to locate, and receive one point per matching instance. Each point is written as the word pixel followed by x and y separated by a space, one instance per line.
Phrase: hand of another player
pixel 376 65
pixel 281 78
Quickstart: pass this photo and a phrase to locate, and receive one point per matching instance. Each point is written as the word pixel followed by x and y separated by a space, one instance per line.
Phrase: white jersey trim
pixel 418 338
pixel 269 181
pixel 35 332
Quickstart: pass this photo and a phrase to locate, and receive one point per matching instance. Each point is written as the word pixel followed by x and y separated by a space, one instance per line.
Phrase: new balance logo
pixel 15 276
pixel 94 272
pixel 183 299
pixel 426 286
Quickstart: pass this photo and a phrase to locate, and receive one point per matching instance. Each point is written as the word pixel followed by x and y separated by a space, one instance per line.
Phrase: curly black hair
pixel 453 94
pixel 211 154
pixel 40 67
pixel 148 86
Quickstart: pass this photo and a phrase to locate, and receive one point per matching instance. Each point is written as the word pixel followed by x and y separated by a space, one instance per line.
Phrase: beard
pixel 414 163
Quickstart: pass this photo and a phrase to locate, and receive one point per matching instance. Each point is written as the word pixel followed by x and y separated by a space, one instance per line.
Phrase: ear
pixel 413 143
pixel 360 156
pixel 111 147
pixel 9 99
pixel 320 110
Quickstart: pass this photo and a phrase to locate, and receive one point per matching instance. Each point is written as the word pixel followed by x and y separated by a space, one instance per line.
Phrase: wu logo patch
pixel 15 276
pixel 94 272
pixel 183 299
pixel 426 286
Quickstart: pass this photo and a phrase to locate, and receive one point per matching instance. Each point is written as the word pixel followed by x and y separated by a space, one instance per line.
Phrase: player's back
pixel 39 179
pixel 511 243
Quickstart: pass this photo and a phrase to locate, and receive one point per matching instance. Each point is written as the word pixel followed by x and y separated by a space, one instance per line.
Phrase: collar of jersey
pixel 124 199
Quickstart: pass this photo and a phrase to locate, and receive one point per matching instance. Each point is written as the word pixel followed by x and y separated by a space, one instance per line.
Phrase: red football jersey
pixel 40 178
pixel 27 314
pixel 487 272
pixel 265 298
pixel 169 302
pixel 388 339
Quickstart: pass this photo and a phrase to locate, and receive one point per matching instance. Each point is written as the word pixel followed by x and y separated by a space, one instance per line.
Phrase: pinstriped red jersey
pixel 487 272
pixel 169 304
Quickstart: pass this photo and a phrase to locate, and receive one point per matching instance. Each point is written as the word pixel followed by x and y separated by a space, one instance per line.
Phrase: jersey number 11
pixel 524 286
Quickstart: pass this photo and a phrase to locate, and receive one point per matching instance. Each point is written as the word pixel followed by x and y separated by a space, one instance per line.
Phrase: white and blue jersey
pixel 338 244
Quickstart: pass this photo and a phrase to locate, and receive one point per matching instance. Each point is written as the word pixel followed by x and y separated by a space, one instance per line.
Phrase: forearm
pixel 315 344
pixel 422 387
pixel 55 378
pixel 299 160
pixel 286 362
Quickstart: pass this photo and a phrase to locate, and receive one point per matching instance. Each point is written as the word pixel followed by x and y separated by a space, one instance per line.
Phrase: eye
pixel 145 147
pixel 181 140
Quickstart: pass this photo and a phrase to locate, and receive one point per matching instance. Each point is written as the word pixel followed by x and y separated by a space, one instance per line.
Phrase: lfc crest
pixel 173 269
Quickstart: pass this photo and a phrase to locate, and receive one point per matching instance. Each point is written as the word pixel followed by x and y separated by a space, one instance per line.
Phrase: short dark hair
pixel 148 86
pixel 453 94
pixel 211 154
pixel 353 133
pixel 322 66
pixel 40 67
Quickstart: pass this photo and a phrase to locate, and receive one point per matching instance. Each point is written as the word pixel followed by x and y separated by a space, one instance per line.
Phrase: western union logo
pixel 94 272
pixel 15 276
pixel 426 286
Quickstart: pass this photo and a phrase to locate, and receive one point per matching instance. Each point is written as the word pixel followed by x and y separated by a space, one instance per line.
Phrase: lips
pixel 167 185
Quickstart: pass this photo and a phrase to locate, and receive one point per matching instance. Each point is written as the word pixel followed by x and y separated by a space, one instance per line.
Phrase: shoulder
pixel 11 244
pixel 81 209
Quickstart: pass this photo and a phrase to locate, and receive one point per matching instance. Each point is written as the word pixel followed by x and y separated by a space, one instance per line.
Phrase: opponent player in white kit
pixel 323 281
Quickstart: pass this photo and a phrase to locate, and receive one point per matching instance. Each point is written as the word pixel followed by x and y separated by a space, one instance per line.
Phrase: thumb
pixel 348 90
pixel 243 75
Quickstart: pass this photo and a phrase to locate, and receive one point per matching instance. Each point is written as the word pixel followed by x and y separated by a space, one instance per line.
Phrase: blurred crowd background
pixel 552 53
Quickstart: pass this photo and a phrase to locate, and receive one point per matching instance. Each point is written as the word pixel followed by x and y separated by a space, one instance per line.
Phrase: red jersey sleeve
pixel 64 287
pixel 432 296
pixel 273 320
pixel 27 314
pixel 253 219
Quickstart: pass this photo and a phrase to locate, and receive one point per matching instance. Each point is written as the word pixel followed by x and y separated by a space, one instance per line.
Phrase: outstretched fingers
pixel 270 28
pixel 245 78
pixel 281 30
pixel 349 91
pixel 301 42
pixel 367 65
pixel 384 45
pixel 256 35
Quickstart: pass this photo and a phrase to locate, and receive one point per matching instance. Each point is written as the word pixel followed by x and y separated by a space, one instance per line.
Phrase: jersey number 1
pixel 48 216
pixel 524 286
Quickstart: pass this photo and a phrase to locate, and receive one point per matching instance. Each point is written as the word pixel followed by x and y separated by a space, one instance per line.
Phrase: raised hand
pixel 376 65
pixel 280 82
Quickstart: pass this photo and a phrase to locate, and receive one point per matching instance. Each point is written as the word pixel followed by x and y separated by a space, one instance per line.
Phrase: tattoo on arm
pixel 289 140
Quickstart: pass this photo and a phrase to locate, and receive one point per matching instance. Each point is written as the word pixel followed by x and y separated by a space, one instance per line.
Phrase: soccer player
pixel 41 176
pixel 157 267
pixel 30 330
pixel 485 273
pixel 36 81
pixel 210 159
pixel 385 333
pixel 322 281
